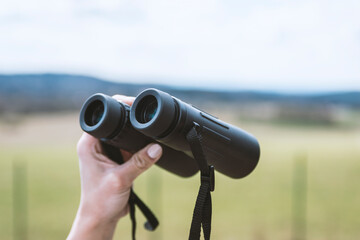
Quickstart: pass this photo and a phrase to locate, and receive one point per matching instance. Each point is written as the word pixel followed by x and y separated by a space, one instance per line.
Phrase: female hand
pixel 105 185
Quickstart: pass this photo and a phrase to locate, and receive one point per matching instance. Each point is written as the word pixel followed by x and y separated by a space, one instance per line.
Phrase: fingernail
pixel 154 151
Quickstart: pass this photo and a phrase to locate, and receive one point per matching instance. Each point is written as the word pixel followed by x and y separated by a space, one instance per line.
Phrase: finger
pixel 140 162
pixel 89 148
pixel 85 143
pixel 125 99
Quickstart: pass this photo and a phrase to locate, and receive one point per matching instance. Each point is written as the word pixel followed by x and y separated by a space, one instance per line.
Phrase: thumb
pixel 140 162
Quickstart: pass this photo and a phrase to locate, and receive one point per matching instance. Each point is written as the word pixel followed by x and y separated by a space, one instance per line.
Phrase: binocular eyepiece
pixel 158 116
pixel 102 115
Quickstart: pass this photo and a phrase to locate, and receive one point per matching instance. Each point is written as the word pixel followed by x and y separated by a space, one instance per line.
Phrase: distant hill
pixel 57 92
pixel 53 92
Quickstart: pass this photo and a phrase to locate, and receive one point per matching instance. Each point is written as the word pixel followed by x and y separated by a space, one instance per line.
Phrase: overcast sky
pixel 299 45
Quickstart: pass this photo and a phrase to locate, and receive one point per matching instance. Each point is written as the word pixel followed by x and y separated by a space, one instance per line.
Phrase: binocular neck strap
pixel 152 223
pixel 203 207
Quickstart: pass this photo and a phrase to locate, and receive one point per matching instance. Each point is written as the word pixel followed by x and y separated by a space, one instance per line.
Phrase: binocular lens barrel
pixel 167 119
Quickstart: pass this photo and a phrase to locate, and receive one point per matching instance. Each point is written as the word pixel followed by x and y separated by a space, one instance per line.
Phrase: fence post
pixel 299 197
pixel 154 194
pixel 20 224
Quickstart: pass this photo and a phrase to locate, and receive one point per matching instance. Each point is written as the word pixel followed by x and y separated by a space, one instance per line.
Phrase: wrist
pixel 87 226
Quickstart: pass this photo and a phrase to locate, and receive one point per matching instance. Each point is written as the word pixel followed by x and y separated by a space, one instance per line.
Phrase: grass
pixel 257 207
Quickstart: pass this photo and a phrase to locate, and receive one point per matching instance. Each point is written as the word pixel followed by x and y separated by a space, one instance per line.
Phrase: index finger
pixel 125 99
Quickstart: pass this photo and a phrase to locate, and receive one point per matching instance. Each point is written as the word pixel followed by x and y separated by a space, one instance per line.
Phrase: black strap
pixel 152 223
pixel 203 207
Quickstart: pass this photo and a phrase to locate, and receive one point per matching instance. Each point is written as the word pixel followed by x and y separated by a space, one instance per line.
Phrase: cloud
pixel 286 45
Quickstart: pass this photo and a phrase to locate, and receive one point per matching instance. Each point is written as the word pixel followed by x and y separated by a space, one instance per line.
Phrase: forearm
pixel 90 228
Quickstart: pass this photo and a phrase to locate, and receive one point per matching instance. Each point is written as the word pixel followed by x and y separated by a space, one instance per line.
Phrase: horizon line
pixel 211 88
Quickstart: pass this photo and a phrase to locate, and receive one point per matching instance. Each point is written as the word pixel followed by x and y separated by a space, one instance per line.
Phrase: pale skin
pixel 105 185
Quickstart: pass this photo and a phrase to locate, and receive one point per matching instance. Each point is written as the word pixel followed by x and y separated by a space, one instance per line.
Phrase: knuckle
pixel 118 97
pixel 80 148
pixel 84 145
pixel 141 162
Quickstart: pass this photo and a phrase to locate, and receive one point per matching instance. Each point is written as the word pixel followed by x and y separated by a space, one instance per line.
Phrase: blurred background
pixel 286 71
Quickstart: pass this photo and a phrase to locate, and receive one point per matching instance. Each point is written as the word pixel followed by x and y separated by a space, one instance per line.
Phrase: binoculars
pixel 156 116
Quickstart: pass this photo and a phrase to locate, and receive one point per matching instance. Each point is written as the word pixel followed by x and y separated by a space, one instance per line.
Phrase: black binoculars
pixel 156 116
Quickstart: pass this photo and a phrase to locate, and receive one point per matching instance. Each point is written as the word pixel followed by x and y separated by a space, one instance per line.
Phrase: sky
pixel 294 45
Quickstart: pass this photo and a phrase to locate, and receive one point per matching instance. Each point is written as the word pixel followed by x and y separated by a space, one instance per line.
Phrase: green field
pixel 256 207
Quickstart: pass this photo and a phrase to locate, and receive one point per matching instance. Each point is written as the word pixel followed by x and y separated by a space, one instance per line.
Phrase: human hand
pixel 105 185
